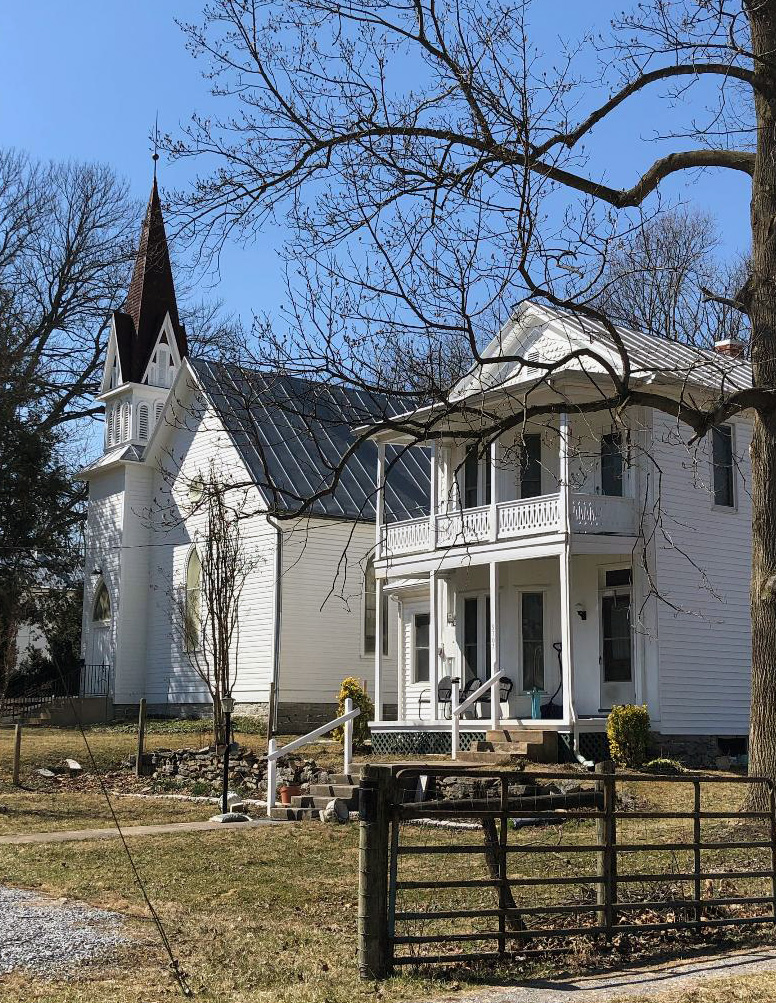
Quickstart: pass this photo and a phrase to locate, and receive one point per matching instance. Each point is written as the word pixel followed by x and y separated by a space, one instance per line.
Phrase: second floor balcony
pixel 510 520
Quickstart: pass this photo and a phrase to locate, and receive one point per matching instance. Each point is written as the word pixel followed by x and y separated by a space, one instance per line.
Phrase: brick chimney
pixel 732 347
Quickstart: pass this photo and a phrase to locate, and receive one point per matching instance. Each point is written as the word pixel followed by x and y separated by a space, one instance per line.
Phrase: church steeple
pixel 151 295
pixel 147 343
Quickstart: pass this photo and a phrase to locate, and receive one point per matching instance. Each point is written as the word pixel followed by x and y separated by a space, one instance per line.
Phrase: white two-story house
pixel 592 561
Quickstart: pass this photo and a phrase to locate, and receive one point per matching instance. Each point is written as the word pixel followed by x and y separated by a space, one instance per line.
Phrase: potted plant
pixel 288 791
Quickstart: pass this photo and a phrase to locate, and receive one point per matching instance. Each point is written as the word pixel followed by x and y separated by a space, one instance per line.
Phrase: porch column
pixel 493 460
pixel 380 500
pixel 401 665
pixel 379 649
pixel 432 513
pixel 495 704
pixel 433 645
pixel 567 653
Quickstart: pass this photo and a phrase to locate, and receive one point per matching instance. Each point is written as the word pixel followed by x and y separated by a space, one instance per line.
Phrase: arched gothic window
pixel 193 602
pixel 158 407
pixel 126 411
pixel 101 608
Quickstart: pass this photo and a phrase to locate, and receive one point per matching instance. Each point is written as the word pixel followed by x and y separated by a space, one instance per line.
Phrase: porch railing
pixel 522 517
pixel 274 753
pixel 458 709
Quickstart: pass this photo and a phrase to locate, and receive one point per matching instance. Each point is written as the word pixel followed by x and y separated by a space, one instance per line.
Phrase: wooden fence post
pixel 140 738
pixel 374 949
pixel 606 829
pixel 17 754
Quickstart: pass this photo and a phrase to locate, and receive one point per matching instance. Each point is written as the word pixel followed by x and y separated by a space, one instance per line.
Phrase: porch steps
pixel 508 744
pixel 307 806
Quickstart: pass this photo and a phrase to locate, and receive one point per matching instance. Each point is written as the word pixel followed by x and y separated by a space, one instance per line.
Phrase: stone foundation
pixel 698 752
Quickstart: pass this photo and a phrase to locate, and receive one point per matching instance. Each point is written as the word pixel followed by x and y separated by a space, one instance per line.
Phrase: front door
pixel 616 648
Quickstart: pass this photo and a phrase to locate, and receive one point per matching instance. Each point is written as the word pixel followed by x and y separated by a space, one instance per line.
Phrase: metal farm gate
pixel 461 864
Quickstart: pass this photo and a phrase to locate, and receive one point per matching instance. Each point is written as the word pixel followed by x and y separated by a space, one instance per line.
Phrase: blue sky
pixel 85 79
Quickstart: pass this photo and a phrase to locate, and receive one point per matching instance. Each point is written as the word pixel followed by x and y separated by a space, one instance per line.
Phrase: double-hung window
pixel 722 463
pixel 476 637
pixel 611 464
pixel 420 646
pixel 532 639
pixel 476 479
pixel 531 466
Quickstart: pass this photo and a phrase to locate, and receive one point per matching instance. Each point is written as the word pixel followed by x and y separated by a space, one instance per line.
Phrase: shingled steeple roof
pixel 150 298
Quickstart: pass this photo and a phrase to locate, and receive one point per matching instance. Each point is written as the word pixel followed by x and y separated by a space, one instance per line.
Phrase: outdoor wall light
pixel 580 611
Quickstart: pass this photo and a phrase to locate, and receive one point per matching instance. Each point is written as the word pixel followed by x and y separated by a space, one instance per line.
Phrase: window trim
pixel 520 464
pixel 484 479
pixel 482 670
pixel 413 647
pixel 715 506
pixel 191 644
pixel 532 590
pixel 100 587
pixel 612 434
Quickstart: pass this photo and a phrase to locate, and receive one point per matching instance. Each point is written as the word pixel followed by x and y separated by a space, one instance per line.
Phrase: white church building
pixel 306 615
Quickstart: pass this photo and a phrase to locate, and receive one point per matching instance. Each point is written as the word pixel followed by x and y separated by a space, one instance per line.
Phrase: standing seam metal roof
pixel 292 434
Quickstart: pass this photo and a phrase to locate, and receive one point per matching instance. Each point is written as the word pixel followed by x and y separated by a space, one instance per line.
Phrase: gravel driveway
pixel 43 934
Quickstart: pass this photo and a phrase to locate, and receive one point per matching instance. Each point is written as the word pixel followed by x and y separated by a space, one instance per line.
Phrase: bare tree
pixel 431 164
pixel 206 604
pixel 659 280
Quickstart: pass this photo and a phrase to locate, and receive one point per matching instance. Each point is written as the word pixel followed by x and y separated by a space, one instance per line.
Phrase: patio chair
pixel 445 695
pixel 505 686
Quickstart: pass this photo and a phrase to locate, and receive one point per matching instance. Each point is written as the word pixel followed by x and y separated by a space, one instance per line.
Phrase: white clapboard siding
pixel 322 615
pixel 705 653
pixel 199 440
pixel 104 525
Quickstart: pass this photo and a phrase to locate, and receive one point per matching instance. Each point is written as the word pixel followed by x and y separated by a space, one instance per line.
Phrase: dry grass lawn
pixel 255 916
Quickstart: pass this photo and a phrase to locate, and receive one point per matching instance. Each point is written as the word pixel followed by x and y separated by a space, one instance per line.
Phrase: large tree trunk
pixel 762 310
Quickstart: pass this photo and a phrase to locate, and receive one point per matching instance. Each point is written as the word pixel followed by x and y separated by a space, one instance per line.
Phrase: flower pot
pixel 289 791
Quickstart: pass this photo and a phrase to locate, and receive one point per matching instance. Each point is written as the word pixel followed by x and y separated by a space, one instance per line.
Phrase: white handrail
pixel 457 709
pixel 274 753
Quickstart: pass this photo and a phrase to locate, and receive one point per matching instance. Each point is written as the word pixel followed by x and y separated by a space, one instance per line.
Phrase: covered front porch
pixel 569 629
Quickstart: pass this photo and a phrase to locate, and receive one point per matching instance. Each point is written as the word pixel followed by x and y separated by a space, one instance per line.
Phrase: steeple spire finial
pixel 155 154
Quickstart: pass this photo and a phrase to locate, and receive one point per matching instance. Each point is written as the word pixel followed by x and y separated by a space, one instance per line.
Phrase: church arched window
pixel 101 608
pixel 193 601
pixel 142 422
pixel 158 407
pixel 125 419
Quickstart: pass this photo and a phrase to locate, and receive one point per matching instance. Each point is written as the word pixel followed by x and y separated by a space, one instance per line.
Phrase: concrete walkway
pixel 71 835
pixel 646 981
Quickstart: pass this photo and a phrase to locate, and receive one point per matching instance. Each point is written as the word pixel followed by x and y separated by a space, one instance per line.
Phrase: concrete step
pixel 516 735
pixel 310 801
pixel 345 791
pixel 291 814
pixel 345 779
pixel 496 758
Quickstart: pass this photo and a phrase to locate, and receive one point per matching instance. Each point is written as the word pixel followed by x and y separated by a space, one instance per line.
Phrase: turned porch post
pixel 378 649
pixel 567 660
pixel 493 460
pixel 495 703
pixel 434 501
pixel 380 500
pixel 433 645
